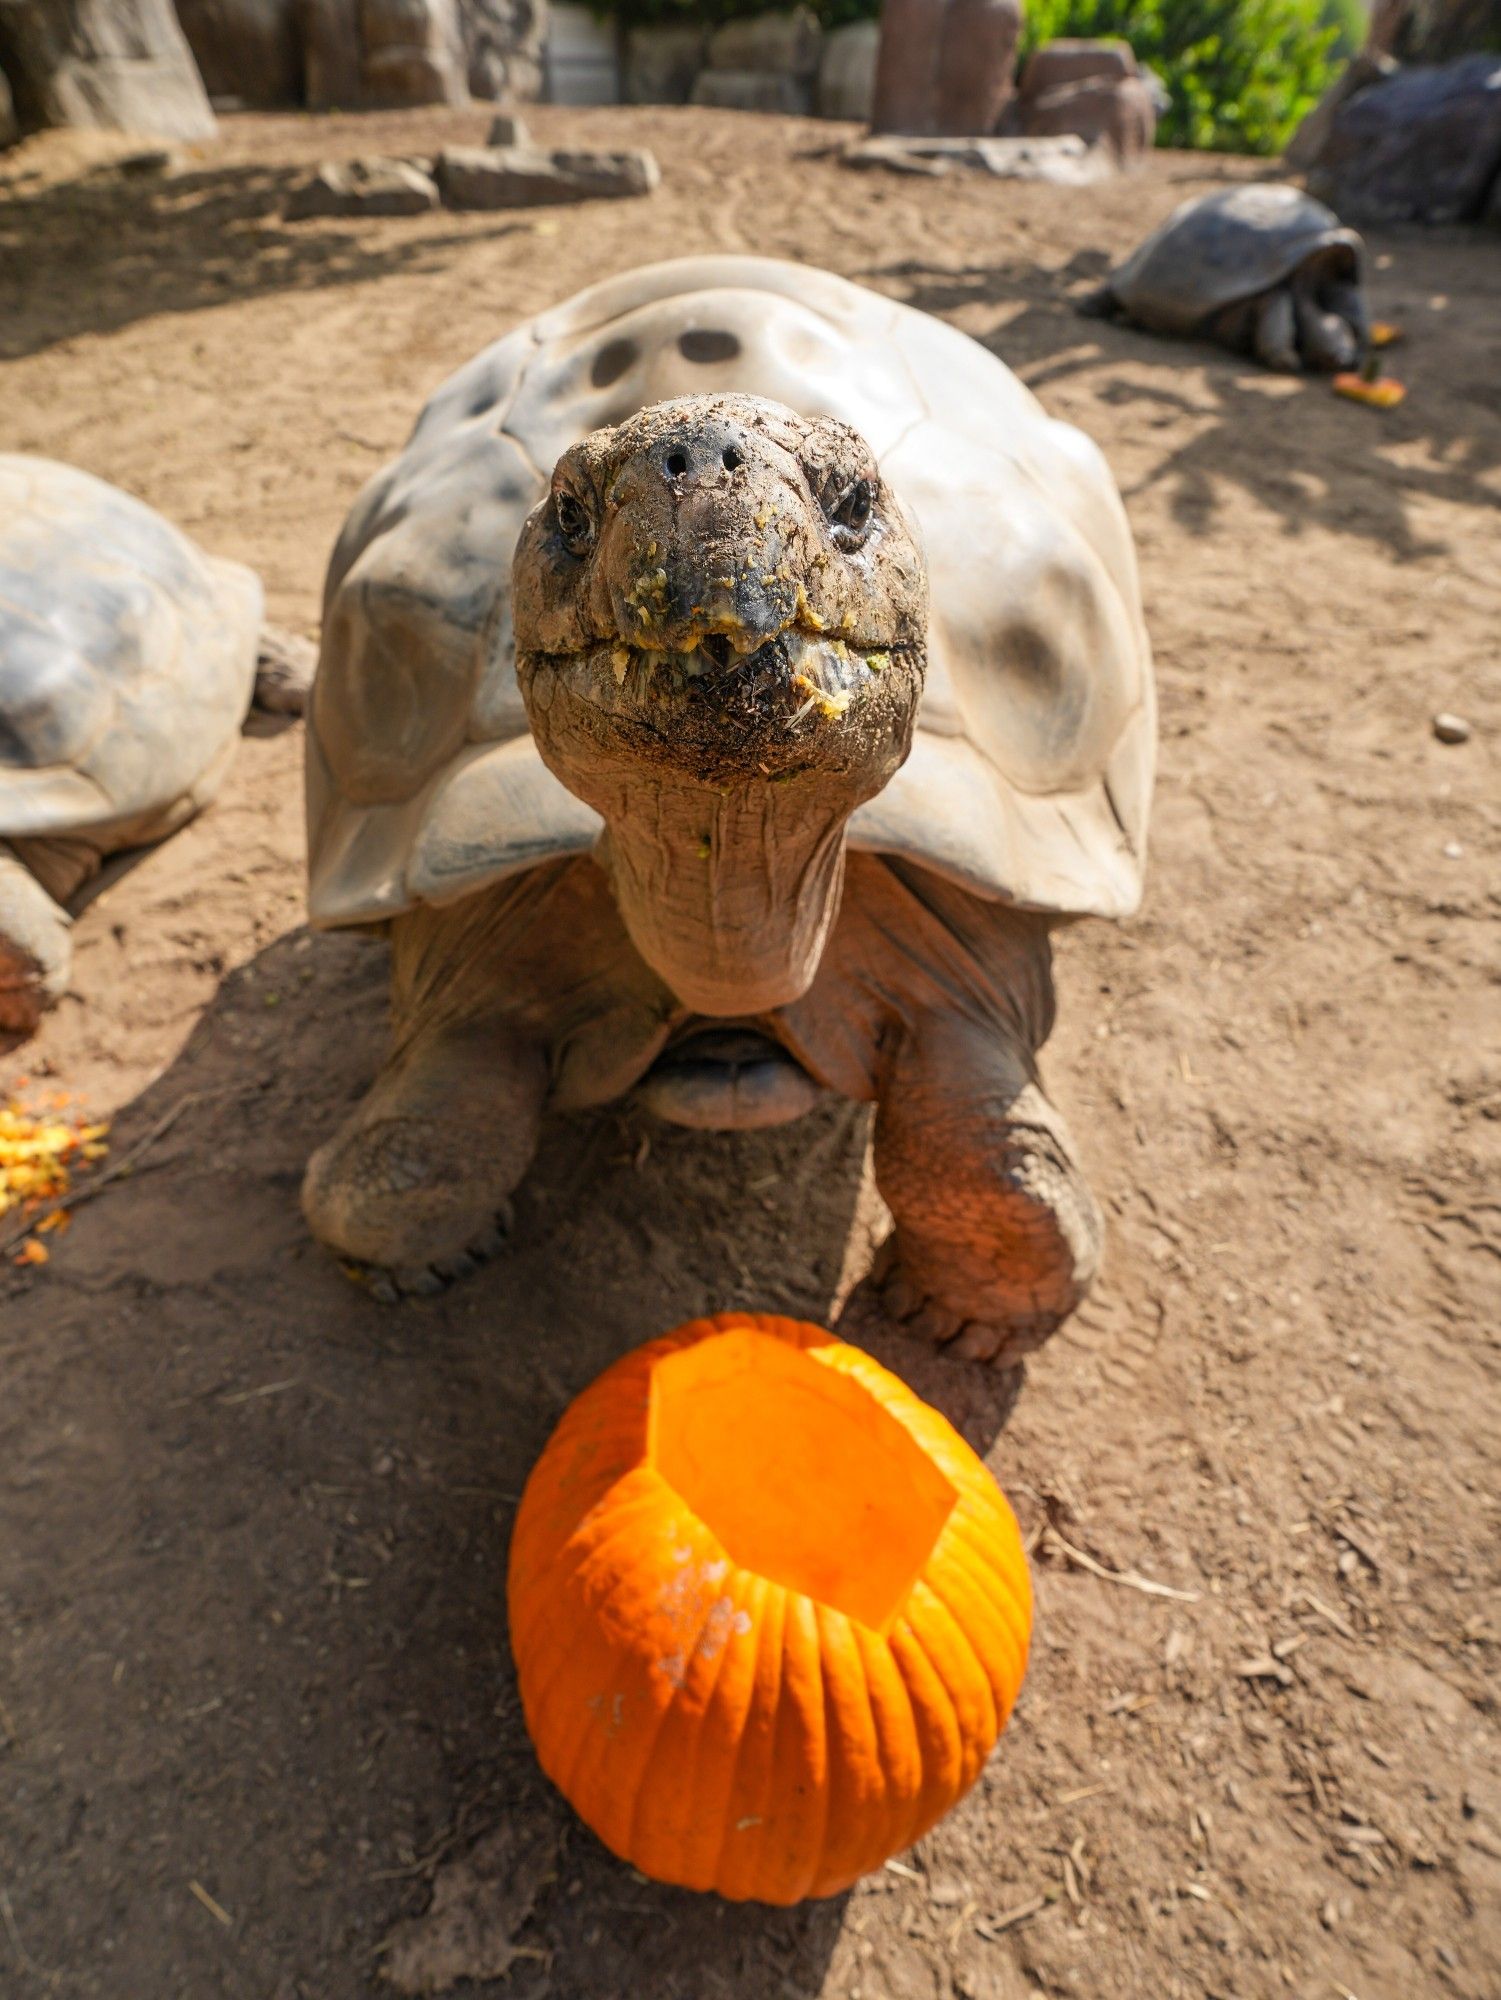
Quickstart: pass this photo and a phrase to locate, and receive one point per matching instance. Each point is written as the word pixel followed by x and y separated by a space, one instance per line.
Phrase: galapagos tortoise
pixel 820 695
pixel 1263 269
pixel 127 661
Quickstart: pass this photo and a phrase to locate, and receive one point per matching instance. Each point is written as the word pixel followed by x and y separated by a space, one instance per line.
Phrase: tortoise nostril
pixel 732 459
pixel 677 464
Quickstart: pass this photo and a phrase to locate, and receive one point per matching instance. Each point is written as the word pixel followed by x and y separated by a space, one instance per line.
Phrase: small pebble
pixel 1453 851
pixel 1451 728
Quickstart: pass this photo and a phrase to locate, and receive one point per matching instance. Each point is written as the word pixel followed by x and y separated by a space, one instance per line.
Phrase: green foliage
pixel 1240 73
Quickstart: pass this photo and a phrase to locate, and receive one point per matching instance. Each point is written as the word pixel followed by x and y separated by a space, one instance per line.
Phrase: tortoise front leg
pixel 417 1180
pixel 36 947
pixel 1276 335
pixel 997 1235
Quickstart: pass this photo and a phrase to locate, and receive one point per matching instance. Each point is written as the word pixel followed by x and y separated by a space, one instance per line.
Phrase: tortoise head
pixel 720 618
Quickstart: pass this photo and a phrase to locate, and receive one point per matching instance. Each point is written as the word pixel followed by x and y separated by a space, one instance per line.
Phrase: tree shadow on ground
pixel 257 1522
pixel 184 241
pixel 1291 446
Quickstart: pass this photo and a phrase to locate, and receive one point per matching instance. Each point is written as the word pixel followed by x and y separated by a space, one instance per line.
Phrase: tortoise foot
pixel 393 1283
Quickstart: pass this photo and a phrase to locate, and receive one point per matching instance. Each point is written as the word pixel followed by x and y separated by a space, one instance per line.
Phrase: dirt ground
pixel 256 1705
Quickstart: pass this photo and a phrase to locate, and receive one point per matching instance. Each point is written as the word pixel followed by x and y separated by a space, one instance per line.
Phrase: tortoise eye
pixel 852 510
pixel 574 524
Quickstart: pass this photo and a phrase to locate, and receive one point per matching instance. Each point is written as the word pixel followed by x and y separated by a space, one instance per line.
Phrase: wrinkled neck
pixel 729 894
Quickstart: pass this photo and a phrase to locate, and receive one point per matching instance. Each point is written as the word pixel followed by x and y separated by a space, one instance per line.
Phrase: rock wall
pixel 351 54
pixel 117 65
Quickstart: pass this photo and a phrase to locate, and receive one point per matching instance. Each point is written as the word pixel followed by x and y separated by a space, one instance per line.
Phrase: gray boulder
pixel 364 187
pixel 753 90
pixel 115 65
pixel 662 63
pixel 779 44
pixel 524 176
pixel 10 129
pixel 1423 145
pixel 506 129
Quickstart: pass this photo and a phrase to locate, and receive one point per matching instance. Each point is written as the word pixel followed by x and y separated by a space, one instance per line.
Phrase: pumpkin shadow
pixel 289 1504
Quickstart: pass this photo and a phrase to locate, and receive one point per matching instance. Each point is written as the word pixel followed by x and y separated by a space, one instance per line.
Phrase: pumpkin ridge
pixel 757 1588
pixel 693 1776
pixel 669 1708
pixel 771 1633
pixel 791 1715
pixel 963 1623
pixel 894 1682
pixel 968 1531
pixel 956 1646
pixel 840 1768
pixel 997 1600
pixel 929 1721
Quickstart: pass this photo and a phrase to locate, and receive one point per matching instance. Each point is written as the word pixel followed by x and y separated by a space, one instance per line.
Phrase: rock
pixel 976 59
pixel 1071 61
pixel 847 72
pixel 248 50
pixel 1308 141
pixel 1066 161
pixel 503 47
pixel 413 53
pixel 1113 111
pixel 363 187
pixel 778 44
pixel 382 52
pixel 521 176
pixel 906 66
pixel 662 63
pixel 113 65
pixel 10 129
pixel 1451 728
pixel 147 161
pixel 1423 145
pixel 1093 89
pixel 753 90
pixel 506 129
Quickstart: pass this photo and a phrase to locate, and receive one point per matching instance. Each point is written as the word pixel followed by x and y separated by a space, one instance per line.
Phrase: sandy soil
pixel 255 1700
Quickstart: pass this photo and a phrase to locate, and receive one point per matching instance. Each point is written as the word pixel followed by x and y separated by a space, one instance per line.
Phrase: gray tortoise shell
pixel 1222 247
pixel 1031 769
pixel 127 656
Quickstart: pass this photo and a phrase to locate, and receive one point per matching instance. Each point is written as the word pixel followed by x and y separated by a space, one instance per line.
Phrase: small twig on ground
pixel 1321 1610
pixel 23 1957
pixel 215 1910
pixel 113 1172
pixel 993 1927
pixel 1128 1577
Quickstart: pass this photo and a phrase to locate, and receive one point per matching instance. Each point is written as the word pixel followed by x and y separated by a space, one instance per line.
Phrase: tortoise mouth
pixel 727 1077
pixel 798 679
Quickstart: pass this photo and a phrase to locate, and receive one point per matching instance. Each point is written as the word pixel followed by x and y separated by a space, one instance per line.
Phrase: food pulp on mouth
pixel 825 671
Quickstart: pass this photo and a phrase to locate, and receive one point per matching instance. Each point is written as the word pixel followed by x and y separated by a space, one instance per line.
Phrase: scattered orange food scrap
pixel 39 1153
pixel 1384 334
pixel 1382 394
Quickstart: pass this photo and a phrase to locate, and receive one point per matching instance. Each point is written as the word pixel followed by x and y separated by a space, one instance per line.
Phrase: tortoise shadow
pixel 288 1448
pixel 1288 444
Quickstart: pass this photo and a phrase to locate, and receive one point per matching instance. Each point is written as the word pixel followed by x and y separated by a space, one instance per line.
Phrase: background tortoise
pixel 650 818
pixel 1263 269
pixel 127 662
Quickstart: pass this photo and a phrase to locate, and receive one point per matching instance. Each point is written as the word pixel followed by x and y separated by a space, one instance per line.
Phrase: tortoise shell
pixel 1031 768
pixel 127 656
pixel 1223 247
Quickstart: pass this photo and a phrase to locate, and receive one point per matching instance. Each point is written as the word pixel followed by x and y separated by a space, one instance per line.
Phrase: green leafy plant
pixel 1239 73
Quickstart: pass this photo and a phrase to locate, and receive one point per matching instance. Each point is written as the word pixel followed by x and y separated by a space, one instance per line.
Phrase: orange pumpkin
pixel 769 1611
